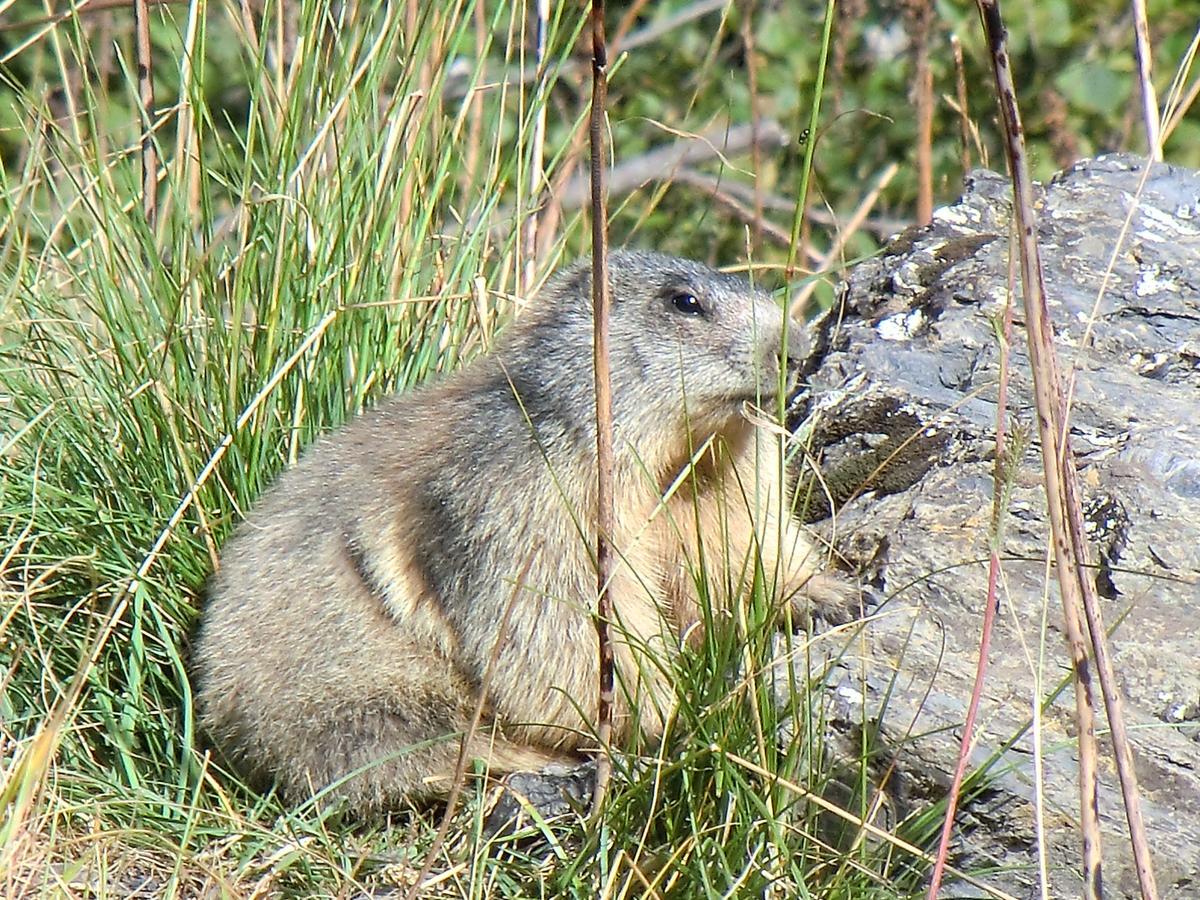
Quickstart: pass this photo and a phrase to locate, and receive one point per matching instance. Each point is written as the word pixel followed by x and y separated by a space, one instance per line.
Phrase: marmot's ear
pixel 577 284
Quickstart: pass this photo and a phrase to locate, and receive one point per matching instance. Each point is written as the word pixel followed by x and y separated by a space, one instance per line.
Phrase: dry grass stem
pixel 1179 101
pixel 605 516
pixel 145 79
pixel 826 261
pixel 964 116
pixel 1144 55
pixel 1062 495
pixel 1001 476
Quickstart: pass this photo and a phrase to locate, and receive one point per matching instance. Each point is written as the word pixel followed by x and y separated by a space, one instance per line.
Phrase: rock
pixel 902 414
pixel 552 793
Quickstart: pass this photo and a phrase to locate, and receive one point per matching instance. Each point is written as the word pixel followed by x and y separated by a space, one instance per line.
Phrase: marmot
pixel 346 635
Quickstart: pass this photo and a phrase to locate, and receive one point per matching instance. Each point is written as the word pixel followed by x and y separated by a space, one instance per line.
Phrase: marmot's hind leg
pixel 370 761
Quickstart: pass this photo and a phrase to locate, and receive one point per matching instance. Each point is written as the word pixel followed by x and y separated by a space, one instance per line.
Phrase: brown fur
pixel 357 606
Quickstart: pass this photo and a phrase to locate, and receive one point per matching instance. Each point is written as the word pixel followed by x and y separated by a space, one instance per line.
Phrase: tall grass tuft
pixel 322 240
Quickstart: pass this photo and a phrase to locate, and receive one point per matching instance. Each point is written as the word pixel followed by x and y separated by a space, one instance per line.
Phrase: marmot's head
pixel 688 343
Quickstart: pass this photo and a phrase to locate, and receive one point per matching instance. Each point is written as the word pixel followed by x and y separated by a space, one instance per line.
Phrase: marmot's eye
pixel 687 303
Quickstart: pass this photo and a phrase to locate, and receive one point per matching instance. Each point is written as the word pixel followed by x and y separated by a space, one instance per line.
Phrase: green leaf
pixel 1093 87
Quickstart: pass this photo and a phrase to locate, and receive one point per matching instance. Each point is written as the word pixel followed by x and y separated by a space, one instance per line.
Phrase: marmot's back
pixel 357 607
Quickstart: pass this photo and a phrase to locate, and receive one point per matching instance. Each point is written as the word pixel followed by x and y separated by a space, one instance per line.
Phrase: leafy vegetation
pixel 345 207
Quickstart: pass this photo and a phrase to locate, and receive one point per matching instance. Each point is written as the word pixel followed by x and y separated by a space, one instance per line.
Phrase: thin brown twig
pixel 605 515
pixel 1040 350
pixel 537 175
pixel 83 9
pixel 1113 703
pixel 552 215
pixel 145 79
pixel 1122 748
pixel 1001 472
pixel 1062 494
pixel 464 756
pixel 964 118
pixel 920 15
pixel 748 42
pixel 1144 57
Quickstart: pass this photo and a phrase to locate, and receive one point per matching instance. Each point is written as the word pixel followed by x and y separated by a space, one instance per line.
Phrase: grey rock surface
pixel 902 416
pixel 554 792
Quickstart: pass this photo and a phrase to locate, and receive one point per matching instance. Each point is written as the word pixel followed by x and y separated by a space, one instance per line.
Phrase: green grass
pixel 156 381
pixel 338 219
pixel 153 383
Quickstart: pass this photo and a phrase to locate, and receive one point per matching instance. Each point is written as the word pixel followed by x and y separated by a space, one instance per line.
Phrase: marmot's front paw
pixel 834 598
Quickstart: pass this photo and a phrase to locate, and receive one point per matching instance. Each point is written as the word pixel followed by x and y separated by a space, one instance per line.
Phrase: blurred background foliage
pixel 698 67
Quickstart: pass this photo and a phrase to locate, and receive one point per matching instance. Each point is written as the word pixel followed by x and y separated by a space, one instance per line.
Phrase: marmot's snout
pixel 793 349
pixel 796 347
pixel 783 352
